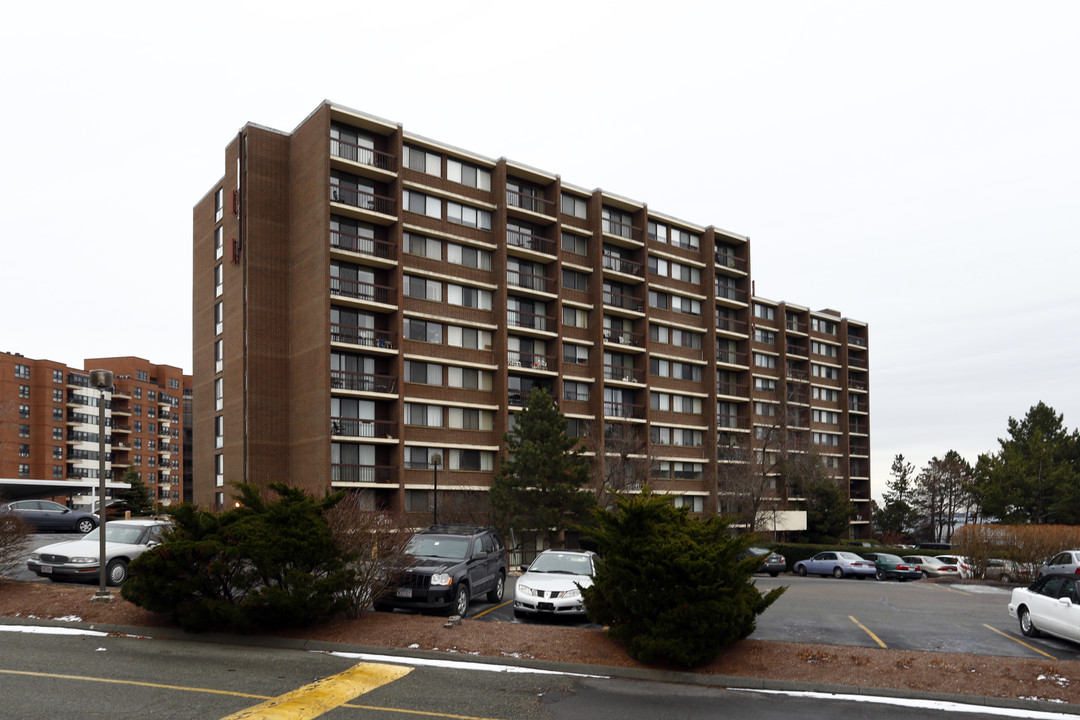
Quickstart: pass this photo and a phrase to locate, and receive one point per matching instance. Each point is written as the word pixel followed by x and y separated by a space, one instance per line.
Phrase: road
pixel 100 676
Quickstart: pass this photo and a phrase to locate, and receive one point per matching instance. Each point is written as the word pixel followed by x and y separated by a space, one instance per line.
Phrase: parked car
pixel 771 562
pixel 887 566
pixel 552 585
pixel 1066 561
pixel 931 567
pixel 46 516
pixel 962 563
pixel 450 565
pixel 838 563
pixel 125 540
pixel 1008 571
pixel 1050 605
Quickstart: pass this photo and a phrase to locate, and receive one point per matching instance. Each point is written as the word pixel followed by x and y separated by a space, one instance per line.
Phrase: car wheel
pixel 774 573
pixel 382 607
pixel 460 606
pixel 495 594
pixel 838 572
pixel 518 614
pixel 116 572
pixel 925 575
pixel 902 579
pixel 1004 578
pixel 881 575
pixel 1026 626
pixel 800 570
pixel 85 525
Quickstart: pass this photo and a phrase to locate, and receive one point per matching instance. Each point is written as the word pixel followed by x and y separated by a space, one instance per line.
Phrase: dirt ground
pixel 868 667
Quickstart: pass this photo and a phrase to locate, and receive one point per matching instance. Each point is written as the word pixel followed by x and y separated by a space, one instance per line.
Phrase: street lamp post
pixel 102 380
pixel 436 460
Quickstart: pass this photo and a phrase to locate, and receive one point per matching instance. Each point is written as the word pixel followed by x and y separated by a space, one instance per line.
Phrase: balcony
pixel 854 384
pixel 359 428
pixel 731 325
pixel 796 349
pixel 363 291
pixel 793 325
pixel 625 374
pixel 530 281
pixel 857 405
pixel 363 155
pixel 619 300
pixel 623 337
pixel 726 292
pixel 531 321
pixel 363 200
pixel 363 245
pixel 530 202
pixel 341 473
pixel 620 229
pixel 858 362
pixel 731 357
pixel 729 388
pixel 363 382
pixel 620 264
pixel 528 241
pixel 857 341
pixel 368 337
pixel 530 360
pixel 624 410
pixel 725 260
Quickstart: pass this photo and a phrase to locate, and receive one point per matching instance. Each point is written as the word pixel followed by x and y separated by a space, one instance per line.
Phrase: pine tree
pixel 136 499
pixel 539 483
pixel 897 516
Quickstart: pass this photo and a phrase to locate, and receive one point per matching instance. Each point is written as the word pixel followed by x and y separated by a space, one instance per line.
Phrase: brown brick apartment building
pixel 366 300
pixel 49 422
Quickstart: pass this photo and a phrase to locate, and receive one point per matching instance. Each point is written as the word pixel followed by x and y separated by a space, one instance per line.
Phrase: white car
pixel 125 540
pixel 552 584
pixel 1051 605
pixel 962 563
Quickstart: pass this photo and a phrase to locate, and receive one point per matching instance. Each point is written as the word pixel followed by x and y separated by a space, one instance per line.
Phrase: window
pixel 423 373
pixel 422 204
pixel 219 393
pixel 674 270
pixel 681 437
pixel 22 371
pixel 57 452
pixel 828 417
pixel 219 243
pixel 677 303
pixel 826 394
pixel 459 172
pixel 423 161
pixel 423 415
pixel 673 369
pixel 218 316
pixel 468 297
pixel 58 376
pixel 24 391
pixel 574 280
pixel 575 243
pixel 575 317
pixel 824 371
pixel 24 450
pixel 422 330
pixel 137 394
pixel 24 411
pixel 658 231
pixel 827 439
pixel 823 326
pixel 575 354
pixel 764 361
pixel 468 216
pixel 693 503
pixel 219 431
pixel 668 402
pixel 422 288
pixel 142 376
pixel 219 355
pixel 616 222
pixel 219 204
pixel 468 256
pixel 467 337
pixel 574 205
pixel 766 409
pixel 820 348
pixel 766 337
pixel 24 470
pixel 470 419
pixel 174 383
pixel 684 239
pixel 764 312
pixel 57 433
pixel 423 246
pixel 765 384
pixel 675 336
pixel 469 378
pixel 476 460
pixel 575 391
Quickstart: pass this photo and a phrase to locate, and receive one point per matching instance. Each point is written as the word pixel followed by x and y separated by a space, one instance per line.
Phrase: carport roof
pixel 22 488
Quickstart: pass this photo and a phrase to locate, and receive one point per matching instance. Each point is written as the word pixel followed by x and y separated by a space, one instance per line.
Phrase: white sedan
pixel 1051 605
pixel 125 540
pixel 838 563
pixel 552 584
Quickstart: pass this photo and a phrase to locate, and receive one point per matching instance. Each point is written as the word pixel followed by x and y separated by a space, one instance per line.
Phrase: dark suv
pixel 451 565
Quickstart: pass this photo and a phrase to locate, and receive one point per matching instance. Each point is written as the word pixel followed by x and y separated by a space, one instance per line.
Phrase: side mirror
pixel 523 568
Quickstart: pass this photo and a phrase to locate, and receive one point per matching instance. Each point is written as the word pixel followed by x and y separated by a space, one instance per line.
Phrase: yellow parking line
pixel 496 607
pixel 324 695
pixel 867 631
pixel 1029 647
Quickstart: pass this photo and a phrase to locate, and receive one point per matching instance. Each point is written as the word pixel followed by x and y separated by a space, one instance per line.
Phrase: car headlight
pixel 83 560
pixel 441 579
pixel 526 590
pixel 36 557
pixel 570 593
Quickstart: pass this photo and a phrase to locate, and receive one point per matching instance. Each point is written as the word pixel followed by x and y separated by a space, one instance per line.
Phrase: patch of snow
pixel 414 646
pixel 947 706
pixel 40 630
pixel 456 664
pixel 69 618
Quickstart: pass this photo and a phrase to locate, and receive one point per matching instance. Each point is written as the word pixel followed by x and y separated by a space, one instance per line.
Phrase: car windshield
pixel 886 558
pixel 451 548
pixel 570 563
pixel 116 533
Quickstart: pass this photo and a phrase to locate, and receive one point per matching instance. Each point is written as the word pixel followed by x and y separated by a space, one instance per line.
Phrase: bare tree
pixel 14 535
pixel 625 463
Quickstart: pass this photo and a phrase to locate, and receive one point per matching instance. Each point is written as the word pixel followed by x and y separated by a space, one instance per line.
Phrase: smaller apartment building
pixel 49 422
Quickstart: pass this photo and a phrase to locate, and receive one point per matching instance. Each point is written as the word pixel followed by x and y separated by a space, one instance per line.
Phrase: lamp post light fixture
pixel 103 381
pixel 436 460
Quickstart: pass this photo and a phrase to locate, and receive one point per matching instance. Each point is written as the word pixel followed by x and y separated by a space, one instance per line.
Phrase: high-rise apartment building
pixel 371 307
pixel 49 422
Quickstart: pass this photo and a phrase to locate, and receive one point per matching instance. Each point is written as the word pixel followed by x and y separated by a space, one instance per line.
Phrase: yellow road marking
pixel 482 614
pixel 867 631
pixel 324 695
pixel 212 691
pixel 1029 647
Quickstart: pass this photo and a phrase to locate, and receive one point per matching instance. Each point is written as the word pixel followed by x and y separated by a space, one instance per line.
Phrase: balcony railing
pixel 857 406
pixel 366 382
pixel 856 341
pixel 728 388
pixel 858 384
pixel 363 290
pixel 363 199
pixel 356 427
pixel 536 243
pixel 796 349
pixel 724 260
pixel 731 325
pixel 731 357
pixel 530 360
pixel 363 155
pixel 727 292
pixel 362 336
pixel 340 472
pixel 530 202
pixel 364 245
pixel 621 265
pixel 624 410
pixel 626 374
pixel 619 300
pixel 529 281
pixel 858 362
pixel 623 337
pixel 615 227
pixel 793 325
pixel 533 321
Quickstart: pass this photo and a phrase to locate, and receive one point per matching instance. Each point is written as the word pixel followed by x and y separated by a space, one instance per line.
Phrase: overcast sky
pixel 913 165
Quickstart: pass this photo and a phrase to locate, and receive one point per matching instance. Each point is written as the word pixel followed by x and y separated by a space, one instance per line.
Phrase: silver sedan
pixel 838 563
pixel 552 584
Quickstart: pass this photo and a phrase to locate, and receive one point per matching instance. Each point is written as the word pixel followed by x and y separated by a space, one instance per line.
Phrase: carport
pixel 25 489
